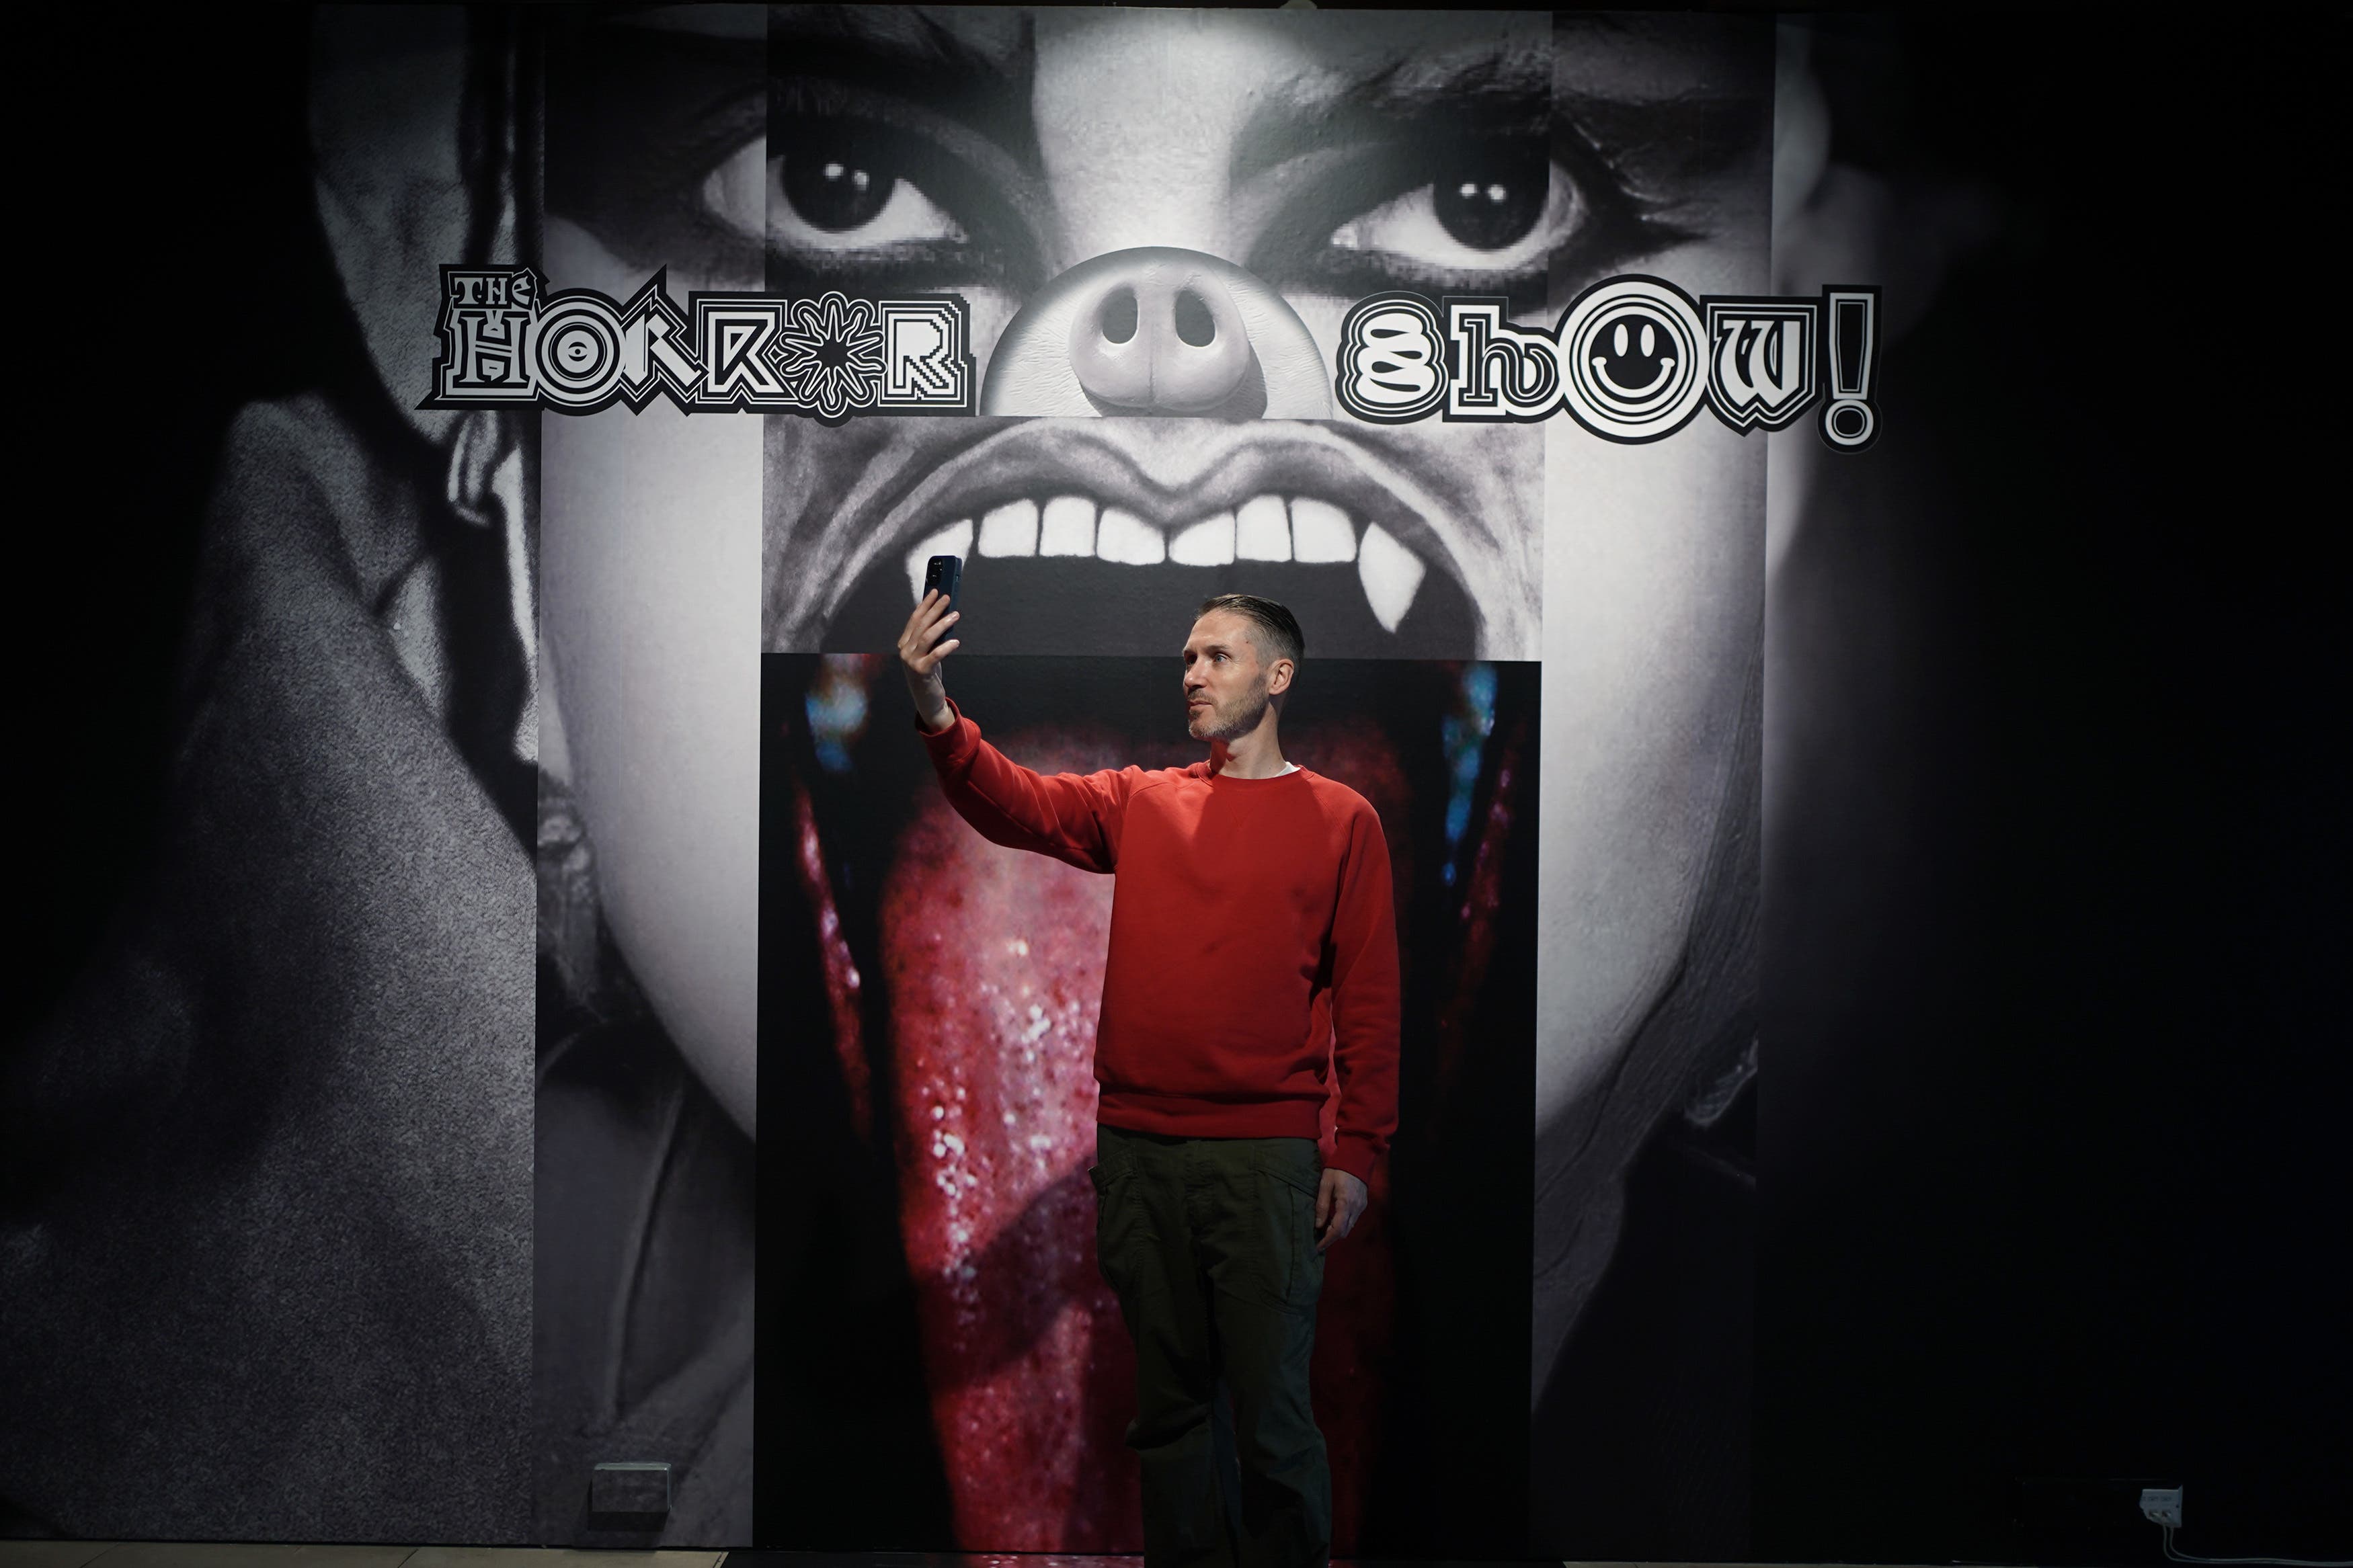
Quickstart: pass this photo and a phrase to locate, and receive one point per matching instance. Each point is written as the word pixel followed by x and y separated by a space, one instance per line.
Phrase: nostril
pixel 1118 317
pixel 1195 323
pixel 1157 331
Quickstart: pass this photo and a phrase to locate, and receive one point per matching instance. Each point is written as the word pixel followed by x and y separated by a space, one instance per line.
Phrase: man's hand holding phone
pixel 920 653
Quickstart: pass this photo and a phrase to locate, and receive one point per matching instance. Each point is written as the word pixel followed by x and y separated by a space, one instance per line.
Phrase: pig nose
pixel 1148 341
pixel 1157 331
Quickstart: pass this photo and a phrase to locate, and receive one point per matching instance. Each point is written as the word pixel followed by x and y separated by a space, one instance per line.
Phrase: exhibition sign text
pixel 1632 359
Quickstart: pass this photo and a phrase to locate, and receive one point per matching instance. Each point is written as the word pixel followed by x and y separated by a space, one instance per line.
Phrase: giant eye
pixel 823 189
pixel 1496 206
pixel 1495 199
pixel 834 185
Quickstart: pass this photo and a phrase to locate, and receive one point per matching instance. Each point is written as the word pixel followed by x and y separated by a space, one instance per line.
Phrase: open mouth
pixel 1076 543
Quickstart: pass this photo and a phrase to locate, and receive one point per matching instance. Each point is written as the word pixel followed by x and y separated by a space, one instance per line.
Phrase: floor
pixel 218 1554
pixel 221 1555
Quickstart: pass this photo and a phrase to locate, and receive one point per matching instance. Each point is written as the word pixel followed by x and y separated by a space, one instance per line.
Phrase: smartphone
pixel 943 573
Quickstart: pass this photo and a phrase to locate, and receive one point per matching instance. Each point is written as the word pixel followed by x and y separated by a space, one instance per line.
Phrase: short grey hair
pixel 1275 629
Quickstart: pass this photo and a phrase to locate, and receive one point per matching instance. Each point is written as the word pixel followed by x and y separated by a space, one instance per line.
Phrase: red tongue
pixel 995 960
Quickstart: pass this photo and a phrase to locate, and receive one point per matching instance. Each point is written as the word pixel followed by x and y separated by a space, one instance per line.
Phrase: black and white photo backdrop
pixel 510 997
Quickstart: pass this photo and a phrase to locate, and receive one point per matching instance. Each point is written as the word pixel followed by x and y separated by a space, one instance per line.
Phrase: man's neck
pixel 1257 755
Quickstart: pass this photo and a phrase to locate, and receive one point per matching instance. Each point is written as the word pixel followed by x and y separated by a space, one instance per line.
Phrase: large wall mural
pixel 694 333
pixel 1080 182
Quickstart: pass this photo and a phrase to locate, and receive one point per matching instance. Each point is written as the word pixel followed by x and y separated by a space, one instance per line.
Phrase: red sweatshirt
pixel 1252 940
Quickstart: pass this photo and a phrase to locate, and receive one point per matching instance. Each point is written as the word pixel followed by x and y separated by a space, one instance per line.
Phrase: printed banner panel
pixel 671 345
pixel 1149 244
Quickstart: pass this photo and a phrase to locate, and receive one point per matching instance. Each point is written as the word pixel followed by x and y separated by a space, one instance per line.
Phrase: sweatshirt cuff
pixel 1354 1155
pixel 953 747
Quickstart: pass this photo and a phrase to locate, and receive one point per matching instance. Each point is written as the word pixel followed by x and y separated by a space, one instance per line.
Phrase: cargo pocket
pixel 1290 1181
pixel 1115 1222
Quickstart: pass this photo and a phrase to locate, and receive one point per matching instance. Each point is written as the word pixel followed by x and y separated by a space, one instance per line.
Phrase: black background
pixel 2051 1113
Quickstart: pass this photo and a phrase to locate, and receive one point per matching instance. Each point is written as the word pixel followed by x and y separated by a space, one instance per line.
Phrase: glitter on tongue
pixel 995 960
pixel 841 979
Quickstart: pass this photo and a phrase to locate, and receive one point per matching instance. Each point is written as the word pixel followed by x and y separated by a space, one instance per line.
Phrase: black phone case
pixel 945 573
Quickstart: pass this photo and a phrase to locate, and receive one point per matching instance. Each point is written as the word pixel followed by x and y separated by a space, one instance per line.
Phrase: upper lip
pixel 1043 457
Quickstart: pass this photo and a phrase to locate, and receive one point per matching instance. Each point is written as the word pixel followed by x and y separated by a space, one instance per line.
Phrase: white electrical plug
pixel 2161 1505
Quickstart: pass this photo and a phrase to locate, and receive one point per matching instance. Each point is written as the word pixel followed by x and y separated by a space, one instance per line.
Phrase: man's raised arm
pixel 919 661
pixel 1072 818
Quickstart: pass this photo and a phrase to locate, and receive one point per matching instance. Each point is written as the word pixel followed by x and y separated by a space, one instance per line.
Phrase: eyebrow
pixel 1507 86
pixel 699 21
pixel 1687 95
pixel 909 54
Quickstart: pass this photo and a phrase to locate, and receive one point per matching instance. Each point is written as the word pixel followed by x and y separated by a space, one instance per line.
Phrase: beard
pixel 1217 722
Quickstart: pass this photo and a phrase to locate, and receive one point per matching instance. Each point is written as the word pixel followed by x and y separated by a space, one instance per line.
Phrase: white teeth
pixel 952 539
pixel 1210 543
pixel 1262 531
pixel 1261 528
pixel 1126 538
pixel 1390 573
pixel 1320 531
pixel 1010 529
pixel 1069 527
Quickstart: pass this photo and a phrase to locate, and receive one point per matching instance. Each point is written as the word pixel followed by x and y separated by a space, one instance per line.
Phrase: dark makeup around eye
pixel 1409 113
pixel 1488 193
pixel 824 135
pixel 1646 163
pixel 974 70
pixel 636 119
pixel 938 101
pixel 1681 107
pixel 1642 120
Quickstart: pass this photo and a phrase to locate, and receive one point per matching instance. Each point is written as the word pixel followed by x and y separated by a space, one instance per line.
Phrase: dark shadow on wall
pixel 193 188
pixel 2052 1094
pixel 253 1188
pixel 1639 1447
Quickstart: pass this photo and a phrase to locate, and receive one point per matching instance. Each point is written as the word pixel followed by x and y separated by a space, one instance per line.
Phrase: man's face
pixel 880 151
pixel 1227 681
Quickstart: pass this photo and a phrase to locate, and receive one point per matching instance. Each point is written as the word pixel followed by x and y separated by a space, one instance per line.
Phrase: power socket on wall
pixel 2161 1505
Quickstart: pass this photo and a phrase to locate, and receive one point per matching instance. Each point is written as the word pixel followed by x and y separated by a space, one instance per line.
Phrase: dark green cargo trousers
pixel 1209 1243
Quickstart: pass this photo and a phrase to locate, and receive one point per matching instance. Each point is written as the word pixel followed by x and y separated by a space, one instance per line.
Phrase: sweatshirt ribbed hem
pixel 1177 1116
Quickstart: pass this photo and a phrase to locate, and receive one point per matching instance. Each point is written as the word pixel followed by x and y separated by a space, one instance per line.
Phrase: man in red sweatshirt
pixel 1253 949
